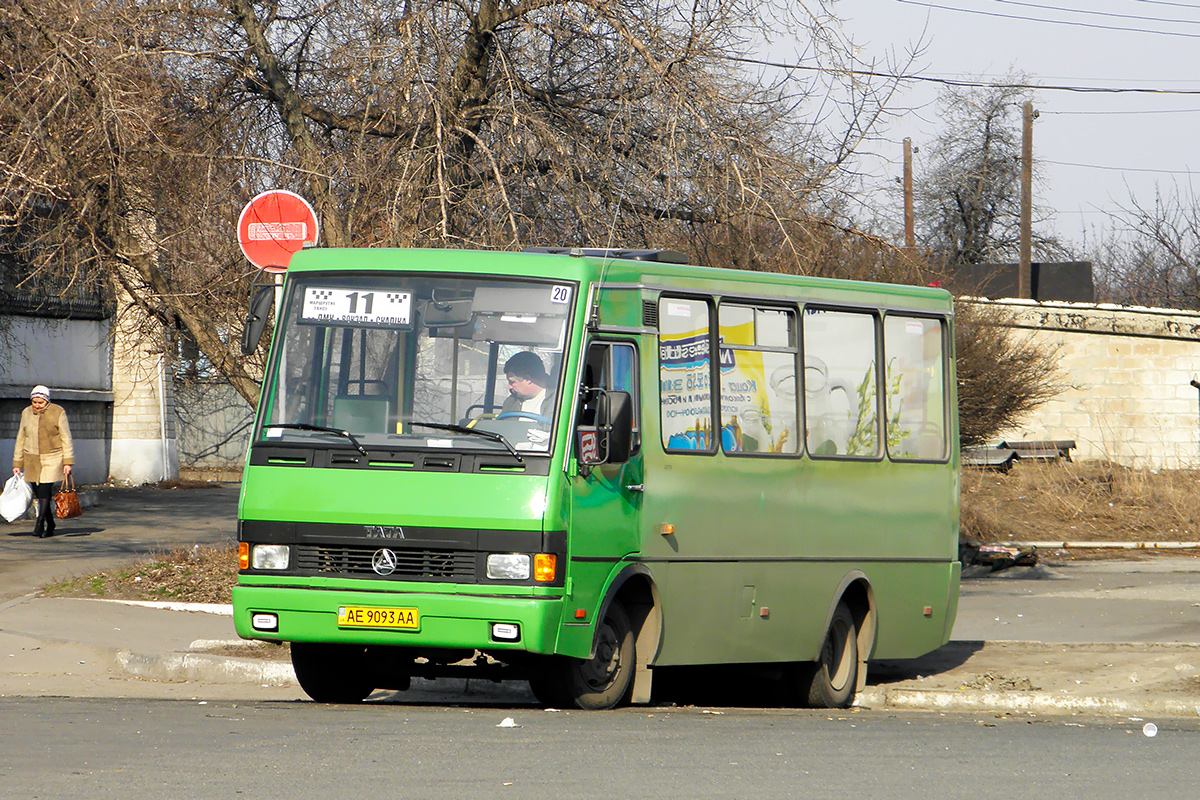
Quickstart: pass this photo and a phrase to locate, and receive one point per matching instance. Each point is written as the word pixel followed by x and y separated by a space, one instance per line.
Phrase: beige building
pixel 1128 373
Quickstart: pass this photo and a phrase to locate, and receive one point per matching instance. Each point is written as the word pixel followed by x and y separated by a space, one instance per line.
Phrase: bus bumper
pixel 442 621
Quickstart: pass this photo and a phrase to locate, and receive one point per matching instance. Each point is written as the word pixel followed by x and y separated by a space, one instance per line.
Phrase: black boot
pixel 45 520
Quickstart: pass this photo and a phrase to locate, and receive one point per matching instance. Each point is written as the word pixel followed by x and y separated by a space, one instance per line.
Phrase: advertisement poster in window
pixel 758 395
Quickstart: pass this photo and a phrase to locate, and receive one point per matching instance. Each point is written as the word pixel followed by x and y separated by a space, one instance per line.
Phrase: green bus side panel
pixel 728 626
pixel 785 535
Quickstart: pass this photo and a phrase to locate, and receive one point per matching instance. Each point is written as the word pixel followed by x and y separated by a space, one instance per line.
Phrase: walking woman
pixel 45 452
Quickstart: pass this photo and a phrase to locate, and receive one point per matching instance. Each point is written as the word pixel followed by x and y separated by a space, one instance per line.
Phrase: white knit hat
pixel 40 391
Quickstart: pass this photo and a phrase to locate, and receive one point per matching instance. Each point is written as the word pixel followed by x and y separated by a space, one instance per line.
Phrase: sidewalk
pixel 52 646
pixel 74 647
pixel 1139 680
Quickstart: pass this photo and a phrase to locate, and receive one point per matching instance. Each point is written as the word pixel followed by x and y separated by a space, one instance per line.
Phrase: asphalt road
pixel 95 749
pixel 434 745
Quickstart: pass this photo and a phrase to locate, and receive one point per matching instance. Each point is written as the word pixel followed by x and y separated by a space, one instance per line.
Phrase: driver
pixel 527 381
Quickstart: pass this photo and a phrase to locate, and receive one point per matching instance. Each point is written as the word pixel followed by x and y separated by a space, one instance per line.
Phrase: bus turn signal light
pixel 544 567
pixel 243 555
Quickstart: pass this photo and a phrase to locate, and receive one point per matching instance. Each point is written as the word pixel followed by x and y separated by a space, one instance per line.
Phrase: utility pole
pixel 909 240
pixel 1024 272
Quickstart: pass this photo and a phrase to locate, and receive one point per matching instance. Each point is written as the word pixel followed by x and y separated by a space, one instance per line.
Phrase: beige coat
pixel 44 445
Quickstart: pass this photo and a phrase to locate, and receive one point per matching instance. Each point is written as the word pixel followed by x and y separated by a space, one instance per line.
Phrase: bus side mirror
pixel 610 440
pixel 256 318
pixel 616 416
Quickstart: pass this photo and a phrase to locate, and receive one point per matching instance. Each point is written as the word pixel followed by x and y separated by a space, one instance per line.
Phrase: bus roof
pixel 591 267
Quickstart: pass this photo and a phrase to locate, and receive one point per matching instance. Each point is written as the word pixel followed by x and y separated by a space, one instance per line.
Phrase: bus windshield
pixel 401 359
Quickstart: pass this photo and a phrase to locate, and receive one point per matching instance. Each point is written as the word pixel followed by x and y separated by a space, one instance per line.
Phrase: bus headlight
pixel 270 556
pixel 508 566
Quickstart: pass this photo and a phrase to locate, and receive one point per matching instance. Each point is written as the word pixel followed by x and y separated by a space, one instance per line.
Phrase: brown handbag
pixel 66 502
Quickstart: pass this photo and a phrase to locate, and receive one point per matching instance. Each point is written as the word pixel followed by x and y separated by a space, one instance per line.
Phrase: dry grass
pixel 193 575
pixel 1059 502
pixel 1092 502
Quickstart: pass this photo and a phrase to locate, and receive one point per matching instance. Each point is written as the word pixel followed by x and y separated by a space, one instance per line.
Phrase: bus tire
pixel 597 683
pixel 603 681
pixel 832 679
pixel 330 673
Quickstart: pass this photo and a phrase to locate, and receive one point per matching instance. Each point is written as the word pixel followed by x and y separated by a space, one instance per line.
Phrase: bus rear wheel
pixel 597 683
pixel 831 681
pixel 331 673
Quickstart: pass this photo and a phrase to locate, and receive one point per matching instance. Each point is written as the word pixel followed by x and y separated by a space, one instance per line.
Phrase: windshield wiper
pixel 495 437
pixel 304 426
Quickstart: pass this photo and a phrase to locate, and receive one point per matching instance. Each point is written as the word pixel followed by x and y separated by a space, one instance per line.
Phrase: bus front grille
pixel 414 564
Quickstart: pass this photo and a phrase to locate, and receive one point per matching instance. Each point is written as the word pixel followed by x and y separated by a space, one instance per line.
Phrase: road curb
pixel 197 667
pixel 1022 702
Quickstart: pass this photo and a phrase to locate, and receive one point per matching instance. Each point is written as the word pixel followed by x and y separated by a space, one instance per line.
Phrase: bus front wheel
pixel 599 682
pixel 330 673
pixel 830 682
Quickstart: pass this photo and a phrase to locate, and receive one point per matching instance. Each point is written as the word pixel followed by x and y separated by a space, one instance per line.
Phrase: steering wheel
pixel 524 415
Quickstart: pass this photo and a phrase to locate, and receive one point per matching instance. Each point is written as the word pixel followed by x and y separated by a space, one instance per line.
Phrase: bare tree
pixel 1001 377
pixel 132 133
pixel 1151 255
pixel 91 177
pixel 968 200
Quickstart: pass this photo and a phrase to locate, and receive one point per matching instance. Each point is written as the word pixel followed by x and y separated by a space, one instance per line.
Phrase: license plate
pixel 364 617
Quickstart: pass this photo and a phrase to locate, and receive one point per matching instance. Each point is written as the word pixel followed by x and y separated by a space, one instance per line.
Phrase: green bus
pixel 573 467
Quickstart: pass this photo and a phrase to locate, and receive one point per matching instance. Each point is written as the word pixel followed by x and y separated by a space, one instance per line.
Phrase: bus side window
pixel 841 405
pixel 685 372
pixel 758 380
pixel 915 389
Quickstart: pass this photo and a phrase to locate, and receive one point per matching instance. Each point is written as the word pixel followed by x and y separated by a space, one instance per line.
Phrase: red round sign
pixel 274 226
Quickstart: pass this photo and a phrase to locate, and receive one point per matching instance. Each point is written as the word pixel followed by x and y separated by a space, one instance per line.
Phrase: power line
pixel 1093 25
pixel 1121 169
pixel 1093 13
pixel 1167 3
pixel 872 73
pixel 1118 113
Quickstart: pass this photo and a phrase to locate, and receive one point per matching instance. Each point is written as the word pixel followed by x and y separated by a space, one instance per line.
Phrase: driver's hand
pixel 538 436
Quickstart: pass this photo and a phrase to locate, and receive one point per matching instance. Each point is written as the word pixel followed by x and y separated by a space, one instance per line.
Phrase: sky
pixel 1096 149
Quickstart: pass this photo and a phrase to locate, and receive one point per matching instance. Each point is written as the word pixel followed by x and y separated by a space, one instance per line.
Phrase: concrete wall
pixel 1128 371
pixel 74 359
pixel 214 426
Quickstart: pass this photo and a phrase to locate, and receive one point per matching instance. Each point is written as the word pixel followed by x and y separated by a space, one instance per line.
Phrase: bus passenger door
pixel 606 498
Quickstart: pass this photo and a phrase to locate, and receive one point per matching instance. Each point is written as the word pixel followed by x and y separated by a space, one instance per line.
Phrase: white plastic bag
pixel 15 500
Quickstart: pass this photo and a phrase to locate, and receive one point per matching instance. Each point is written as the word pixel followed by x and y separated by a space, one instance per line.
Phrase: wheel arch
pixel 634 586
pixel 856 591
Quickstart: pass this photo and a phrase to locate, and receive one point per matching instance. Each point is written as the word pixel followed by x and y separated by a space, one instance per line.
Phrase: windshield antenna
pixel 594 317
